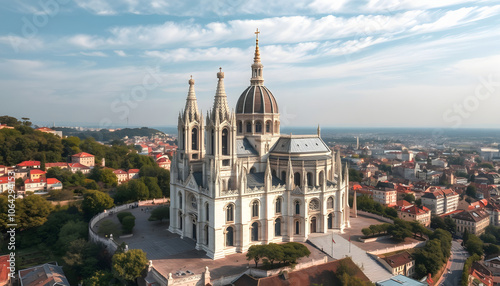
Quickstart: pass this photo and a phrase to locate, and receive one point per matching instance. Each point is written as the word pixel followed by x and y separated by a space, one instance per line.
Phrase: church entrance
pixel 229 236
pixel 255 231
pixel 194 230
pixel 313 224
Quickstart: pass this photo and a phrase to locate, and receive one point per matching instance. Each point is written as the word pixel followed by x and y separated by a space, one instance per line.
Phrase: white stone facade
pixel 236 182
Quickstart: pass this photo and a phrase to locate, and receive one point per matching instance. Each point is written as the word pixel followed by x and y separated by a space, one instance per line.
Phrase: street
pixel 458 257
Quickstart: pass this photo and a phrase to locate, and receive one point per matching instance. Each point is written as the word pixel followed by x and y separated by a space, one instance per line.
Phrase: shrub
pixel 128 224
pixel 160 213
pixel 122 215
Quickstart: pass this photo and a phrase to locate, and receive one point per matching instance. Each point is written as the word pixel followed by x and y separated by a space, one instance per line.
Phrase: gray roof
pixel 298 145
pixel 44 275
pixel 297 158
pixel 244 148
pixel 258 179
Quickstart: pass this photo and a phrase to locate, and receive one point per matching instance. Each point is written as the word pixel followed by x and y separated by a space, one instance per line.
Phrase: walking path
pixel 342 248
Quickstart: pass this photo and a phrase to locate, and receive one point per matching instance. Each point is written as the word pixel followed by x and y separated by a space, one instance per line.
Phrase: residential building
pixel 51 131
pixel 474 221
pixel 5 126
pixel 5 184
pixel 61 165
pixel 36 174
pixel 492 262
pixel 400 264
pixel 164 163
pixel 83 158
pixel 53 184
pixel 479 275
pixel 386 196
pixel 42 185
pixel 440 201
pixel 43 275
pixel 133 174
pixel 28 165
pixel 4 270
pixel 121 176
pixel 414 213
pixel 77 167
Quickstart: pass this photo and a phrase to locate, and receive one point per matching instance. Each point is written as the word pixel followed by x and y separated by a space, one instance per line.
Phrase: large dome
pixel 257 99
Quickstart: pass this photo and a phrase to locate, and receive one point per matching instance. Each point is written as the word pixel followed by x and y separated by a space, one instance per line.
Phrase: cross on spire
pixel 220 69
pixel 257 33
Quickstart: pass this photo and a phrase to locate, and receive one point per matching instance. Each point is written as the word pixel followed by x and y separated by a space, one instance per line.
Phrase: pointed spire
pixel 290 181
pixel 319 131
pixel 220 110
pixel 257 67
pixel 191 112
pixel 268 170
pixel 338 164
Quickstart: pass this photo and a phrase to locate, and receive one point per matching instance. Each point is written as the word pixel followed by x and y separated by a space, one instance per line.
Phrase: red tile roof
pixel 133 171
pixel 4 271
pixel 399 259
pixel 119 172
pixel 29 164
pixel 52 181
pixel 44 129
pixel 30 181
pixel 78 165
pixel 82 155
pixel 37 171
pixel 5 180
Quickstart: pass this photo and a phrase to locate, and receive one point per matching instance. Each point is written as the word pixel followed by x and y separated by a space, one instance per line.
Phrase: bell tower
pixel 190 133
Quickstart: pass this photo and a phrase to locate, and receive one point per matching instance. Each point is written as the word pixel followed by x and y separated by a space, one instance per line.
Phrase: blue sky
pixel 366 63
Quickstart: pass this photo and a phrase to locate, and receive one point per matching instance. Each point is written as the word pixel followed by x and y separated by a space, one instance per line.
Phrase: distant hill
pixel 106 135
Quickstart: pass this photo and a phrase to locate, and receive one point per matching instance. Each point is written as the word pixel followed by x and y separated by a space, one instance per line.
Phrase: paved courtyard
pixel 171 254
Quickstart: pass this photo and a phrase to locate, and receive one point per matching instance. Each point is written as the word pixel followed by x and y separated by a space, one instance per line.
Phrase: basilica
pixel 236 181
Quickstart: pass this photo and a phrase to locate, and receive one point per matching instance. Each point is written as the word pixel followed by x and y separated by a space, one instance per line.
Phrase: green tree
pixel 355 175
pixel 293 251
pixel 107 227
pixel 71 231
pixel 471 191
pixel 417 228
pixel 409 198
pixel 42 162
pixel 153 187
pixel 273 252
pixel 366 231
pixel 32 211
pixel 95 202
pixel 99 278
pixel 474 245
pixel 491 248
pixel 255 253
pixel 129 265
pixel 139 190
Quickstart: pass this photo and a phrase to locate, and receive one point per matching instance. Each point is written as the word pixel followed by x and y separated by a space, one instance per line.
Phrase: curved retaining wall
pixel 109 242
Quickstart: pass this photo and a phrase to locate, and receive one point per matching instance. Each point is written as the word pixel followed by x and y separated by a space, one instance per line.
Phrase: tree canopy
pixel 129 265
pixel 95 202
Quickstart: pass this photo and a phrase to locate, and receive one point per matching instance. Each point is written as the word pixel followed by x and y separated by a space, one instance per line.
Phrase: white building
pixel 440 201
pixel 236 181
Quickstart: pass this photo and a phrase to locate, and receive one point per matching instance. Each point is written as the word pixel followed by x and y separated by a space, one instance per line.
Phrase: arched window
pixel 240 127
pixel 278 205
pixel 297 207
pixel 225 142
pixel 330 221
pixel 212 147
pixel 297 227
pixel 194 203
pixel 229 236
pixel 181 141
pixel 277 227
pixel 329 203
pixel 252 170
pixel 255 209
pixel 229 182
pixel 249 127
pixel 180 200
pixel 230 213
pixel 283 176
pixel 296 179
pixel 321 178
pixel 207 212
pixel 258 127
pixel 255 231
pixel 206 234
pixel 194 139
pixel 309 179
pixel 268 127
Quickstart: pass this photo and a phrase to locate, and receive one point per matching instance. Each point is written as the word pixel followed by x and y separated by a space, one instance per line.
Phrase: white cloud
pixel 21 44
pixel 120 53
pixel 93 54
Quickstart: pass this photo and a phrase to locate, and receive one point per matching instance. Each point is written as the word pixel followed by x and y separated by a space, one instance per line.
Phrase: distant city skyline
pixel 368 63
